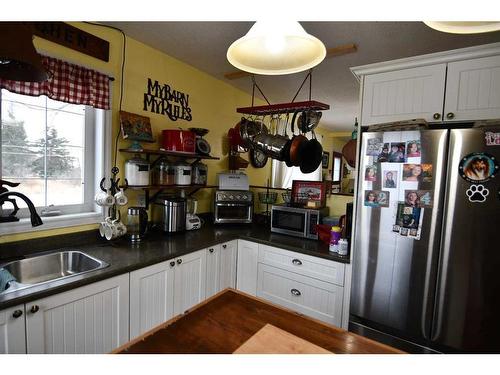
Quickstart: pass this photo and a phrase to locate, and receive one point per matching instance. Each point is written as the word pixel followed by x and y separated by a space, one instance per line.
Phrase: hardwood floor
pixel 227 320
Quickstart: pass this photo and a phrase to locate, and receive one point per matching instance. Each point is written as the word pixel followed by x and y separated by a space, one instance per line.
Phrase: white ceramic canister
pixel 182 173
pixel 137 171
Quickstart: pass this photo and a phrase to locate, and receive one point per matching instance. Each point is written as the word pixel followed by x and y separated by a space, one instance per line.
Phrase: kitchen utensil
pixel 178 140
pixel 137 171
pixel 199 173
pixel 120 198
pixel 182 173
pixel 311 155
pixel 163 173
pixel 296 144
pixel 308 120
pixel 173 213
pixel 249 130
pixel 192 220
pixel 137 223
pixel 202 146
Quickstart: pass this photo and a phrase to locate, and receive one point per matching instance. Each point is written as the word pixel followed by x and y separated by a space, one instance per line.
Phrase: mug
pixel 114 229
pixel 104 198
pixel 103 225
pixel 120 198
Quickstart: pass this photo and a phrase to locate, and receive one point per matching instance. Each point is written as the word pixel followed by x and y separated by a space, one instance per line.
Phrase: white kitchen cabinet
pixel 213 270
pixel 303 294
pixel 12 330
pixel 404 94
pixel 456 85
pixel 473 89
pixel 90 319
pixel 189 280
pixel 221 267
pixel 151 297
pixel 246 277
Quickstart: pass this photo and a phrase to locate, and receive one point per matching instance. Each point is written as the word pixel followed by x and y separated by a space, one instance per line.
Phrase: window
pixel 53 149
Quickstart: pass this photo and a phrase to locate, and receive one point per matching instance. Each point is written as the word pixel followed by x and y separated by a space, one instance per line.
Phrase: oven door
pixel 233 213
pixel 292 221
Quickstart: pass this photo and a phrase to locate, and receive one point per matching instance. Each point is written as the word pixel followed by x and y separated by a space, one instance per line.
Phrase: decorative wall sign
pixel 164 100
pixel 72 37
pixel 478 167
pixel 477 193
pixel 492 139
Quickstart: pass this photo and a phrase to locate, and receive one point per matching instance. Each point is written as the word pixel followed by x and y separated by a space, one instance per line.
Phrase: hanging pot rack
pixel 271 109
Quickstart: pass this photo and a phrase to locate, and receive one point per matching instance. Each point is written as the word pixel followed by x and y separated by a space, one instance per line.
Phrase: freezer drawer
pixel 303 294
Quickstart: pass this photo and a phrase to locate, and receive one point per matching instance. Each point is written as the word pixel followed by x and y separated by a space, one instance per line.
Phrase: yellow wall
pixel 213 103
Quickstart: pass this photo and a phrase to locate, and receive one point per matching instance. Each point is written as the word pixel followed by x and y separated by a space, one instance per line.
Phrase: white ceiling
pixel 204 45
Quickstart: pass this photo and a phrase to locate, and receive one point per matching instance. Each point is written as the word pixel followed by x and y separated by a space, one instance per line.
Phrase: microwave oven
pixel 296 221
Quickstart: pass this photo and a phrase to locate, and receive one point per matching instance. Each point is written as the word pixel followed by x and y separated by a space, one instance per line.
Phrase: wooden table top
pixel 224 322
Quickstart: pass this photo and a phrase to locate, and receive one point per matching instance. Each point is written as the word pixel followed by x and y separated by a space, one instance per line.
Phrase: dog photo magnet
pixel 478 167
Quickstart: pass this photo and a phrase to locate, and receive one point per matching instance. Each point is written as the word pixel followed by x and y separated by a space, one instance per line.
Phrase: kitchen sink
pixel 46 268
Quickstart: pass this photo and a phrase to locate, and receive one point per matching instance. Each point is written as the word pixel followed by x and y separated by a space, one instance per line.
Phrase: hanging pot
pixel 312 154
pixel 309 120
pixel 296 142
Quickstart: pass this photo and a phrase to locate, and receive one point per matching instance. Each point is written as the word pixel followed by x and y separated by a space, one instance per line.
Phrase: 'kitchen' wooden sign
pixel 72 37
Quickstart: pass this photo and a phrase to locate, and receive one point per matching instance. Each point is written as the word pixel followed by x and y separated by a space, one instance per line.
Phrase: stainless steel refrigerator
pixel 426 265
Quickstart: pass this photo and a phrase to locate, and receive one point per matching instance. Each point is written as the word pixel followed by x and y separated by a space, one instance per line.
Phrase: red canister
pixel 178 140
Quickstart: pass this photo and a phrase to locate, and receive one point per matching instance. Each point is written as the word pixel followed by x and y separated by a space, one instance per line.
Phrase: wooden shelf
pixel 283 108
pixel 165 187
pixel 169 153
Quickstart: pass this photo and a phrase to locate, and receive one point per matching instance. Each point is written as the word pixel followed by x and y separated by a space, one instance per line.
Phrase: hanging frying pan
pixel 296 142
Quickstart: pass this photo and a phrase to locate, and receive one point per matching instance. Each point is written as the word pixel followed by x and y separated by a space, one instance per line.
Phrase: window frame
pixel 98 125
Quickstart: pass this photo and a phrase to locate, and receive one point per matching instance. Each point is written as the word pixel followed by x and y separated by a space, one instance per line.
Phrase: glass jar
pixel 163 173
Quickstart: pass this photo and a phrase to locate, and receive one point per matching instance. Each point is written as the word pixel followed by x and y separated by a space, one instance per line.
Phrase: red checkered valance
pixel 68 83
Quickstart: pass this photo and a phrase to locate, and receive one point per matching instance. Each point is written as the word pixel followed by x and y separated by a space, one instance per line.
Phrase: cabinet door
pixel 12 331
pixel 303 294
pixel 189 280
pixel 213 270
pixel 90 319
pixel 228 265
pixel 246 278
pixel 151 297
pixel 403 95
pixel 473 89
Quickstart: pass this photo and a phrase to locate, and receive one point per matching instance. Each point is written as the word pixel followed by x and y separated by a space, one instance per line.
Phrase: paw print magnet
pixel 477 193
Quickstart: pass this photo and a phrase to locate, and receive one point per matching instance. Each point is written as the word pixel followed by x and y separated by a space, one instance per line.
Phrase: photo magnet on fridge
pixel 384 154
pixel 478 167
pixel 374 146
pixel 417 172
pixel 410 220
pixel 418 198
pixel 397 152
pixel 376 198
pixel 390 179
pixel 492 138
pixel 413 149
pixel 371 173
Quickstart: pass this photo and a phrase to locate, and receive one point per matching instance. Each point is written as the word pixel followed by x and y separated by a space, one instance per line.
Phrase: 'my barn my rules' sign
pixel 164 100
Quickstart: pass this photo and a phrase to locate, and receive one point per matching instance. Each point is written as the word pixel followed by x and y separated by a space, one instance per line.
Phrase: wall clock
pixel 258 158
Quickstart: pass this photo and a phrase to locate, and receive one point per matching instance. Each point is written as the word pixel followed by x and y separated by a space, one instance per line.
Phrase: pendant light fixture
pixel 19 60
pixel 464 27
pixel 275 48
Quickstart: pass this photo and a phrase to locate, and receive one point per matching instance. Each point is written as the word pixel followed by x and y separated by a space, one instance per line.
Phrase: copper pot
pixel 297 142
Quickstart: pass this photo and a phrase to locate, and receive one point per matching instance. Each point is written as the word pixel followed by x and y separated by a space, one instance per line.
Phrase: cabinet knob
pixel 34 309
pixel 297 262
pixel 224 246
pixel 17 313
pixel 179 261
pixel 436 116
pixel 172 263
pixel 210 250
pixel 450 115
pixel 295 292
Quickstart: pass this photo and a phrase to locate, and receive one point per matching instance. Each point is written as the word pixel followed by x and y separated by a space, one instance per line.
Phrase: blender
pixel 193 221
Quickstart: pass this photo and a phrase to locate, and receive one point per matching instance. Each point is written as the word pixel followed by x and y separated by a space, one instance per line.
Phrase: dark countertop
pixel 124 257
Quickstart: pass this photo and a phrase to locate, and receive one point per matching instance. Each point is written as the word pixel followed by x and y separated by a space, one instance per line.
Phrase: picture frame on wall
pixel 309 191
pixel 325 160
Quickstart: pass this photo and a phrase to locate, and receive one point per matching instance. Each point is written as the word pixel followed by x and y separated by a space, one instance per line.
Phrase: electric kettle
pixel 137 223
